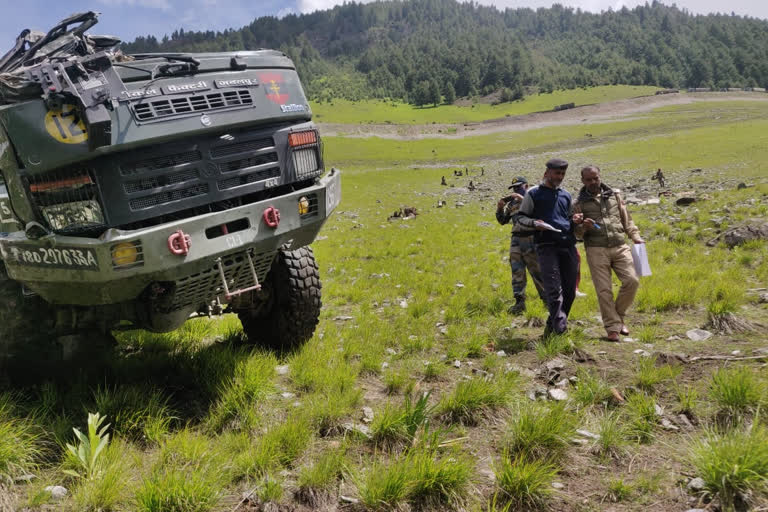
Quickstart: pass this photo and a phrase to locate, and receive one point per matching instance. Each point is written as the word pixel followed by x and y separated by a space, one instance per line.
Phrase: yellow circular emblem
pixel 65 125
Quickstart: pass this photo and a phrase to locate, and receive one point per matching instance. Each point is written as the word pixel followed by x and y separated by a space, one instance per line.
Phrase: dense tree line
pixel 426 51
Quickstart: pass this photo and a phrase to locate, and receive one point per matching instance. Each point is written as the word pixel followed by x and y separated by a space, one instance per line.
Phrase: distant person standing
pixel 547 209
pixel 522 252
pixel 602 220
pixel 659 176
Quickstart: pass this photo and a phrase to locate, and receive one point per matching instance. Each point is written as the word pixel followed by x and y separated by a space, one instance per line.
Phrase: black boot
pixel 519 307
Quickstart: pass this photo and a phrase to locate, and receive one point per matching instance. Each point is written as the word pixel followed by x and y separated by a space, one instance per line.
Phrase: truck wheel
pixel 289 316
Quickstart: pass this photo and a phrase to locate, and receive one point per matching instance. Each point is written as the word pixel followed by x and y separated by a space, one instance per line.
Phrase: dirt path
pixel 588 114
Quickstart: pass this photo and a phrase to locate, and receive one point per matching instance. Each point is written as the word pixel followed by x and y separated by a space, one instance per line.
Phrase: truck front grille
pixel 178 106
pixel 204 286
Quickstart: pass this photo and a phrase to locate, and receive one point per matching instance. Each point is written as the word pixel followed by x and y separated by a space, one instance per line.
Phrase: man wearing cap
pixel 522 252
pixel 602 220
pixel 546 208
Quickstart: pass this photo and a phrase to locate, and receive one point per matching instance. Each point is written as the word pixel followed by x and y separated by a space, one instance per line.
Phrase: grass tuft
pixel 613 434
pixel 590 389
pixel 540 432
pixel 648 375
pixel 524 483
pixel 733 464
pixel 472 398
pixel 737 391
pixel 20 446
pixel 641 411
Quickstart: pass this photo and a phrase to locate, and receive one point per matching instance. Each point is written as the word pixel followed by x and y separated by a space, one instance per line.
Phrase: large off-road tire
pixel 289 307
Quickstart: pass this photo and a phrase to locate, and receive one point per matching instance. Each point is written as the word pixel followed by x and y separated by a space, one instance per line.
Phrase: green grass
pixel 648 375
pixel 523 483
pixel 388 112
pixel 540 432
pixel 738 390
pixel 20 442
pixel 590 389
pixel 472 399
pixel 642 418
pixel 178 490
pixel 325 471
pixel 733 464
pixel 612 434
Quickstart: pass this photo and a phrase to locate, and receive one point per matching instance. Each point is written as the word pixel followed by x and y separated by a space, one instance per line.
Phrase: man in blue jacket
pixel 547 209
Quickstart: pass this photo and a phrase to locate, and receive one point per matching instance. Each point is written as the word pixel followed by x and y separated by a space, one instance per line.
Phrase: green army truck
pixel 140 190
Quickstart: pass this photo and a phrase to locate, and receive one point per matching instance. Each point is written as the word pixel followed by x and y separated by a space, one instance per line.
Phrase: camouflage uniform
pixel 522 254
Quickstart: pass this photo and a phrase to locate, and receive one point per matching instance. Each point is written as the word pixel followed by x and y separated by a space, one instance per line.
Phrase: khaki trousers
pixel 601 261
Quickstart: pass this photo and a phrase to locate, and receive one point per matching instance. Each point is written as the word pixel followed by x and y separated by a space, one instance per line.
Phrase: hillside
pixel 420 50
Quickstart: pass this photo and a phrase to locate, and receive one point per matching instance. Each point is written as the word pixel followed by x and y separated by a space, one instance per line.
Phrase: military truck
pixel 140 190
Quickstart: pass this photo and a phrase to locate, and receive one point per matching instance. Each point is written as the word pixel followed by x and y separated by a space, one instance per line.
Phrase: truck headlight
pixel 305 162
pixel 74 215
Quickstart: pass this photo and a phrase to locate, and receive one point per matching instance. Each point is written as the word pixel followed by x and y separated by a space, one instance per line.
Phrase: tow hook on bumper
pixel 230 294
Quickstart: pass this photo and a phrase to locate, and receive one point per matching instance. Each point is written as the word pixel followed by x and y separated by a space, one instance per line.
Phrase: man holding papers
pixel 602 220
pixel 547 209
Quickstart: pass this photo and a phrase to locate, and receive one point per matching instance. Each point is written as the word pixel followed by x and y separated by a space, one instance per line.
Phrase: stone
pixel 391 351
pixel 555 364
pixel 668 425
pixel 587 434
pixel 696 484
pixel 674 337
pixel 736 352
pixel 562 384
pixel 57 492
pixel 627 339
pixel 288 395
pixel 459 285
pixel 384 365
pixel 367 415
pixel 342 318
pixel 282 369
pixel 501 353
pixel 357 428
pixel 763 298
pixel 348 499
pixel 642 353
pixel 742 234
pixel 403 303
pixel 558 394
pixel 698 334
pixel 684 422
pixel 558 485
pixel 685 201
pixel 457 364
pixel 658 410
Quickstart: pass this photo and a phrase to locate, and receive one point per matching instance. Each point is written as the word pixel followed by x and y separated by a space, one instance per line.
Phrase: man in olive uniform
pixel 522 252
pixel 602 220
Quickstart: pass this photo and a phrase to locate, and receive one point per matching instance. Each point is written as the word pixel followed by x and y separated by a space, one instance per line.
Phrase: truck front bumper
pixel 84 271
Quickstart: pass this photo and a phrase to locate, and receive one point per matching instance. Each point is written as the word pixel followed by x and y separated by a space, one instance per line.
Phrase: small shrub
pixel 433 371
pixel 395 425
pixel 524 483
pixel 438 479
pixel 85 455
pixel 732 464
pixel 540 432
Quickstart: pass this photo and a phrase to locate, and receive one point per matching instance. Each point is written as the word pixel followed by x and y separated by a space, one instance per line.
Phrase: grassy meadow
pixel 415 328
pixel 385 112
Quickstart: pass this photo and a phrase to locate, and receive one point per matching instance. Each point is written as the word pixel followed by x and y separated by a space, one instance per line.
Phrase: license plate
pixel 75 258
pixel 333 193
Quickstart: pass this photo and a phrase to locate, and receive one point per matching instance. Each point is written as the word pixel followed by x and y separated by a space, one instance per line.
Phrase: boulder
pixel 740 235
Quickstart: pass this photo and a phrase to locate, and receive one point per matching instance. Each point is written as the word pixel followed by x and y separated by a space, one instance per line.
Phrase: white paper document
pixel 546 226
pixel 640 258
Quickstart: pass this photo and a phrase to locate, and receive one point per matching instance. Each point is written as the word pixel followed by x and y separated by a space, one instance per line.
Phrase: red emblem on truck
pixel 272 84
